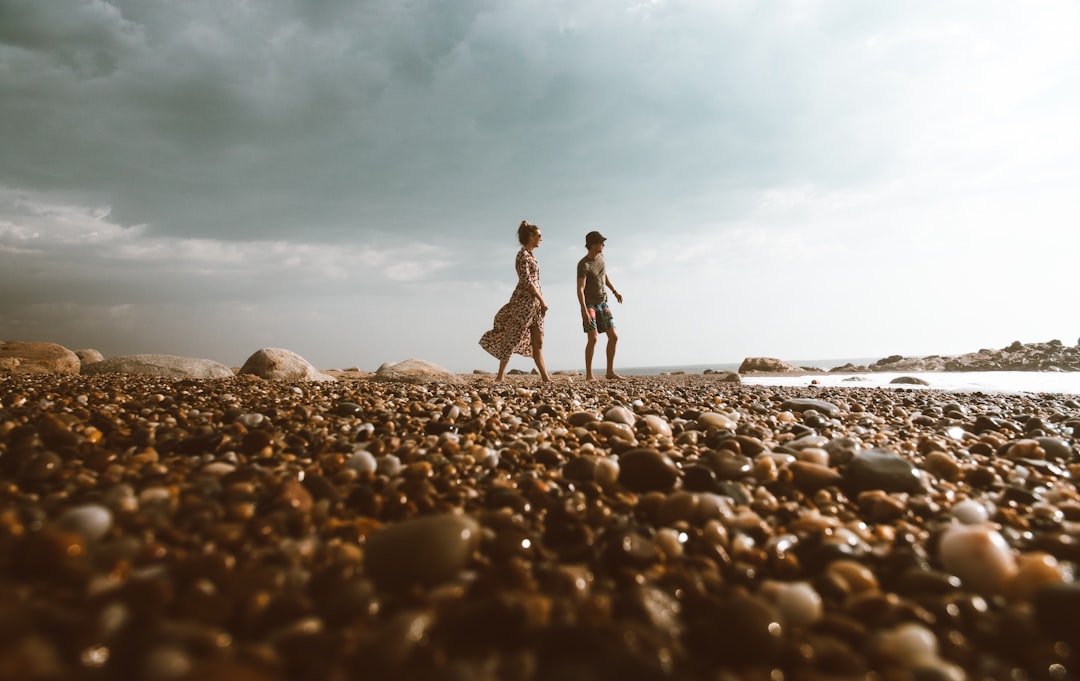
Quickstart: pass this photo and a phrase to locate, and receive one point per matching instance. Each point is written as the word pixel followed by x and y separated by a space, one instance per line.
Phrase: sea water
pixel 1058 382
pixel 823 364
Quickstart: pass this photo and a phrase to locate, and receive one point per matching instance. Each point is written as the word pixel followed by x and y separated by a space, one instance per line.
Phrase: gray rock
pixel 908 380
pixel 800 405
pixel 87 356
pixel 428 550
pixel 415 371
pixel 880 469
pixel 165 366
pixel 37 357
pixel 766 364
pixel 276 364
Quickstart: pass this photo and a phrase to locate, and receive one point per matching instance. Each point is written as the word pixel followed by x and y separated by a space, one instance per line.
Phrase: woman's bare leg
pixel 538 352
pixel 502 369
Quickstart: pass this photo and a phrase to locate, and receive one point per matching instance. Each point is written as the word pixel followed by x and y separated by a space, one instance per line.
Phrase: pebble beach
pixel 659 527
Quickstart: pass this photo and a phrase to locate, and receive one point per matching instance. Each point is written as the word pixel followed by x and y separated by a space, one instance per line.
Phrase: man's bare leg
pixel 612 339
pixel 590 346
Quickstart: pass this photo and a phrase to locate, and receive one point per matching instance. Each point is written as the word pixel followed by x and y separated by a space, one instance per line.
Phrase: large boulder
pixel 37 357
pixel 415 371
pixel 88 356
pixel 766 364
pixel 276 364
pixel 165 366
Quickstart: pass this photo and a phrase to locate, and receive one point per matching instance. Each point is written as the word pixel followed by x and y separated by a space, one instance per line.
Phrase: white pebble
pixel 250 420
pixel 362 461
pixel 92 521
pixel 979 556
pixel 970 512
pixel 911 644
pixel 798 603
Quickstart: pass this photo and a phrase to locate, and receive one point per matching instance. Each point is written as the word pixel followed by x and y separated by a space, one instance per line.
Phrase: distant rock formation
pixel 724 376
pixel 164 366
pixel 1049 356
pixel 766 365
pixel 36 357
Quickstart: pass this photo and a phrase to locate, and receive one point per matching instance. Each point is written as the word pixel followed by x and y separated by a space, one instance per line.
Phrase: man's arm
pixel 581 299
pixel 607 280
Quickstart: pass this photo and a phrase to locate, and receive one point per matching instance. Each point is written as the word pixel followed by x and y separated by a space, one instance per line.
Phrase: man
pixel 592 282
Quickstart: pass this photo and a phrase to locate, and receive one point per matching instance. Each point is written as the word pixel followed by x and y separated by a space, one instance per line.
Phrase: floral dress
pixel 513 320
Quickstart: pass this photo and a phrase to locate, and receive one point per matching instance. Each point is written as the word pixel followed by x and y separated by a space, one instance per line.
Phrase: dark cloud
pixel 253 155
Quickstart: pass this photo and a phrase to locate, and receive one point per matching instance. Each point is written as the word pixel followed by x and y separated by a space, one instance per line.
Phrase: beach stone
pixel 766 365
pixel 880 469
pixel 810 477
pixel 712 419
pixel 979 556
pixel 414 371
pixel 36 357
pixel 619 414
pixel 421 551
pixel 277 364
pixel 164 366
pixel 1056 449
pixel 646 470
pixel 801 404
pixel 657 425
pixel 582 418
pixel 908 380
pixel 92 521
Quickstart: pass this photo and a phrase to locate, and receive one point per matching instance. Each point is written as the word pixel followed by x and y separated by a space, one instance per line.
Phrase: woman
pixel 519 325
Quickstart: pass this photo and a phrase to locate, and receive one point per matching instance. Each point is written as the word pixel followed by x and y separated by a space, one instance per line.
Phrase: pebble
pixel 423 551
pixel 92 521
pixel 658 527
pixel 879 469
pixel 979 556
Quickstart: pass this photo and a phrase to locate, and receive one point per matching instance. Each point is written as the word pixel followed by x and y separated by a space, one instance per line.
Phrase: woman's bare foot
pixel 614 377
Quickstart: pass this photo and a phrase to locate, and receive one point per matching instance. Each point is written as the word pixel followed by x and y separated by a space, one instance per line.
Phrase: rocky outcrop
pixel 276 364
pixel 1049 356
pixel 415 371
pixel 164 366
pixel 724 376
pixel 36 357
pixel 766 365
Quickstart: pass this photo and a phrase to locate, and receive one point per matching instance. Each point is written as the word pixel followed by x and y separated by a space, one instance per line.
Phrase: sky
pixel 796 179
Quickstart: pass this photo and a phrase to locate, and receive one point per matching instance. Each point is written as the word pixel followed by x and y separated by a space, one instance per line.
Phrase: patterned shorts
pixel 600 319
